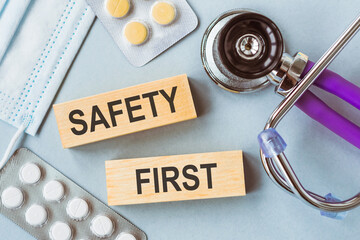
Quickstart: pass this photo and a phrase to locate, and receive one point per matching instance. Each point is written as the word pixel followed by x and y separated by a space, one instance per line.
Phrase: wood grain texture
pixel 227 178
pixel 183 107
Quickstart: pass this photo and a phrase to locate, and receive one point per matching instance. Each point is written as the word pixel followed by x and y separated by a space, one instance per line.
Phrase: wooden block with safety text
pixel 175 178
pixel 125 111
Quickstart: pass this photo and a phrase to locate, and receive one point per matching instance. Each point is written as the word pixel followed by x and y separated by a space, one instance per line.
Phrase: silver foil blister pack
pixel 160 37
pixel 48 205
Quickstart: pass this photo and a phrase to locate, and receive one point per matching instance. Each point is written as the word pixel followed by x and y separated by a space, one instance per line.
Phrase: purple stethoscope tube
pixel 314 107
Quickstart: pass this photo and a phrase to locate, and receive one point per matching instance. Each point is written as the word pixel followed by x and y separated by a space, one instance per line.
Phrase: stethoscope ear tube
pixel 276 165
pixel 337 85
pixel 321 112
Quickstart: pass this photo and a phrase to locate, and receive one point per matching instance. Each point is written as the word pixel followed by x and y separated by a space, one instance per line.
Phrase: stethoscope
pixel 243 51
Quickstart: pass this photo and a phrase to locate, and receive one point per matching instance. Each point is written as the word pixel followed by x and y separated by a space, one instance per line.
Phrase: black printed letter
pixel 156 180
pixel 151 95
pixel 192 177
pixel 208 172
pixel 112 112
pixel 78 121
pixel 170 99
pixel 170 179
pixel 94 122
pixel 130 109
pixel 139 181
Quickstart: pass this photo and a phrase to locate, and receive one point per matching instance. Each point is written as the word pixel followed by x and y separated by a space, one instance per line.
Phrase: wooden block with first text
pixel 125 111
pixel 175 178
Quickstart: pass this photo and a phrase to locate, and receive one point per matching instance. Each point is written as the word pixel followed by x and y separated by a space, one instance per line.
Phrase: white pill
pixel 125 236
pixel 12 197
pixel 30 173
pixel 102 226
pixel 77 209
pixel 36 215
pixel 60 231
pixel 53 191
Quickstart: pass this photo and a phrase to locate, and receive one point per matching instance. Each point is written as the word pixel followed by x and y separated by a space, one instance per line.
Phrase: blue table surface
pixel 227 121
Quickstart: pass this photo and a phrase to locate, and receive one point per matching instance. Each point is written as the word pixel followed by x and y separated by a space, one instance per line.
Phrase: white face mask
pixel 39 40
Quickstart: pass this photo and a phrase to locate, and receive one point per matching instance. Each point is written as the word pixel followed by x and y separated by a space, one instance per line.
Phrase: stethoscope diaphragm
pixel 239 48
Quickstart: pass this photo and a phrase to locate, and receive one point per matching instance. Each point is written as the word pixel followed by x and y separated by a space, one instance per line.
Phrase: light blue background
pixel 227 121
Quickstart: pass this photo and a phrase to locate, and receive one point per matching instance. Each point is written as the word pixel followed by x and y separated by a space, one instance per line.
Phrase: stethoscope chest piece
pixel 240 48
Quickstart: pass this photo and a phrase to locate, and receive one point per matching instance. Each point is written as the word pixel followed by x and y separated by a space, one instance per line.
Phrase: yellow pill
pixel 163 12
pixel 118 8
pixel 136 32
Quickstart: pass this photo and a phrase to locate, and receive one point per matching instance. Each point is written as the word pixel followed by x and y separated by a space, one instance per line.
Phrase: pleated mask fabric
pixel 47 36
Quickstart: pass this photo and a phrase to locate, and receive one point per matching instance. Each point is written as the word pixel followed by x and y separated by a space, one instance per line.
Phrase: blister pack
pixel 144 29
pixel 48 205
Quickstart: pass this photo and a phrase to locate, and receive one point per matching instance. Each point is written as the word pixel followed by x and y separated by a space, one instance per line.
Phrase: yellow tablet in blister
pixel 118 8
pixel 163 13
pixel 136 32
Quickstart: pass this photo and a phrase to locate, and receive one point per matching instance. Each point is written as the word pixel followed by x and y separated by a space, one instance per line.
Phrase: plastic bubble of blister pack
pixel 144 29
pixel 48 205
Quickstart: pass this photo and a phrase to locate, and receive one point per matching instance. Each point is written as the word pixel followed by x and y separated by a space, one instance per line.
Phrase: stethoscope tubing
pixel 321 112
pixel 285 177
pixel 337 85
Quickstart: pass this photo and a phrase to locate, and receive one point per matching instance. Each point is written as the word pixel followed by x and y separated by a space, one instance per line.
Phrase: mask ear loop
pixel 13 141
